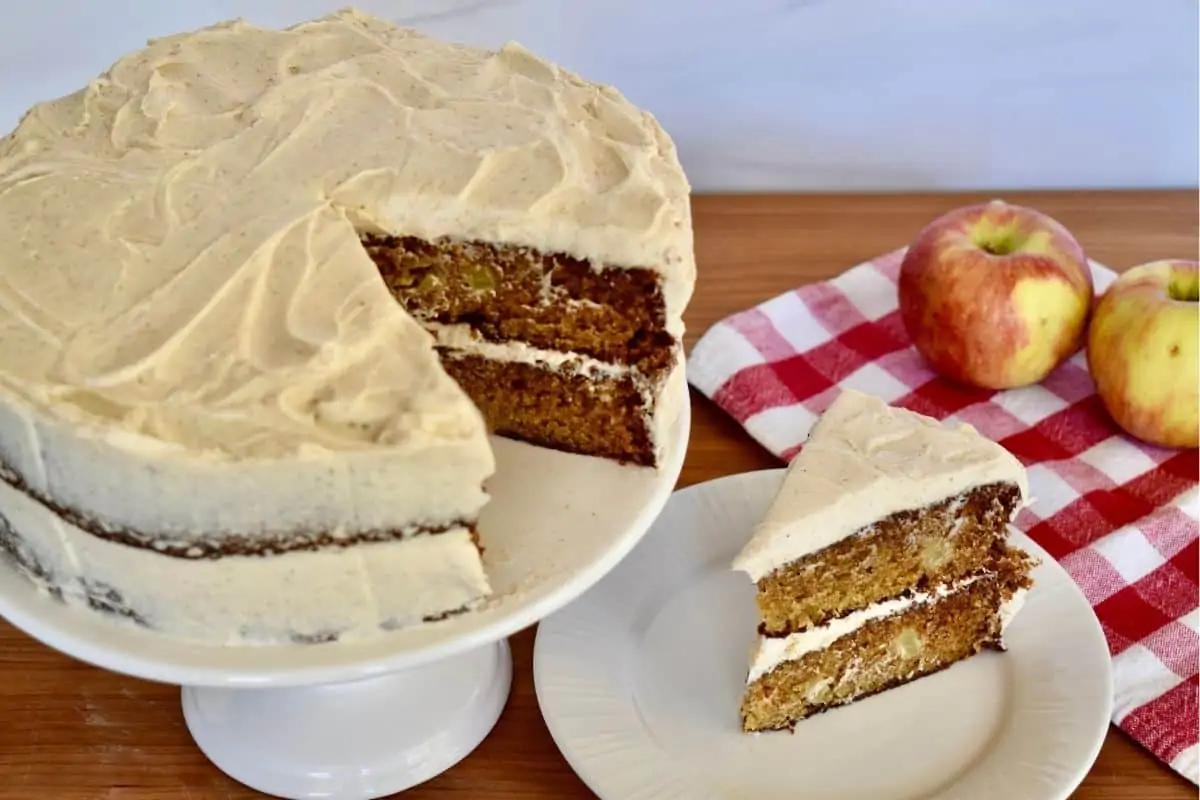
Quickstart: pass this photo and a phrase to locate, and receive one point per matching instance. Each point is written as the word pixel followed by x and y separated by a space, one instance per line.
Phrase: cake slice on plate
pixel 883 558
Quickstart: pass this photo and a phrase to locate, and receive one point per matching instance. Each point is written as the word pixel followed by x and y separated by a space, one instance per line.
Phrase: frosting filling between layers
pixel 771 651
pixel 660 394
pixel 461 338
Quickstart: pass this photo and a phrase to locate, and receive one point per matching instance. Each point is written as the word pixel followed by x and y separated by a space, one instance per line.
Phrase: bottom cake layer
pixel 603 417
pixel 559 400
pixel 877 649
pixel 306 596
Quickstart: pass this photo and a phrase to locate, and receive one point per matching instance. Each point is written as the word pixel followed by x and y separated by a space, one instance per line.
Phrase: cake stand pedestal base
pixel 353 741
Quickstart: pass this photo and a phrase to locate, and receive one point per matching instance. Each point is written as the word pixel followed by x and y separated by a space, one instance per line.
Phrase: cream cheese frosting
pixel 176 231
pixel 863 461
pixel 183 278
pixel 769 652
pixel 193 341
pixel 301 596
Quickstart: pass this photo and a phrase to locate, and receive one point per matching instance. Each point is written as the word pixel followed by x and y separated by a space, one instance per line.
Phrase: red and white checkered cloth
pixel 1119 515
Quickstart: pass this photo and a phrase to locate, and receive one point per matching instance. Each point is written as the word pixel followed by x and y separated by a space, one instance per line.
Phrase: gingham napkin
pixel 1119 515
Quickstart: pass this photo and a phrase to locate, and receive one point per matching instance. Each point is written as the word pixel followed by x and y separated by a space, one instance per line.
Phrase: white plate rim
pixel 550 628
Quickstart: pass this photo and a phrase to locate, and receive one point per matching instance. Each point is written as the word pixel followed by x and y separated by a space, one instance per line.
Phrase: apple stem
pixel 998 242
pixel 1185 288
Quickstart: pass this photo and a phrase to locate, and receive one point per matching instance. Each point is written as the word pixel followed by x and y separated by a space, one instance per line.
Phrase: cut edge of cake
pixel 880 648
pixel 554 350
pixel 885 521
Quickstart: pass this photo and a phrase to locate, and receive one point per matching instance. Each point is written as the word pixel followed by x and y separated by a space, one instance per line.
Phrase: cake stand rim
pixel 34 613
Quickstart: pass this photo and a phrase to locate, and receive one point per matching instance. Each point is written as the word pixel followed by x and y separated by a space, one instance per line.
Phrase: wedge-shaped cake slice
pixel 883 558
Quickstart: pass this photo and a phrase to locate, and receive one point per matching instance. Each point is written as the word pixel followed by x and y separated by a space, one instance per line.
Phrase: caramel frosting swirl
pixel 182 270
pixel 863 461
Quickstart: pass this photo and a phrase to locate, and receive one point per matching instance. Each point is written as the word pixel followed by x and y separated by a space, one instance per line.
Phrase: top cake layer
pixel 182 280
pixel 863 461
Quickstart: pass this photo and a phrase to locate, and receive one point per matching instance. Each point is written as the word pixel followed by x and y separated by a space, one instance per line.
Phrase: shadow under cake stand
pixel 361 720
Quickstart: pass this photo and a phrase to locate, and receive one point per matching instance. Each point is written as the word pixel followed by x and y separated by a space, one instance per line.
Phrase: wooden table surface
pixel 72 732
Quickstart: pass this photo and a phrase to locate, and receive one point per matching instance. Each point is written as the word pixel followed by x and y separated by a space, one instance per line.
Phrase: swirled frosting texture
pixel 181 266
pixel 865 460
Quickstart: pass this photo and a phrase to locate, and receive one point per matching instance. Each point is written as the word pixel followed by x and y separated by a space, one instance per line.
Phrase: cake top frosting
pixel 182 264
pixel 864 460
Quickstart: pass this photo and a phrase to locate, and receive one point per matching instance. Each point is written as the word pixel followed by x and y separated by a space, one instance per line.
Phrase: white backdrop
pixel 781 94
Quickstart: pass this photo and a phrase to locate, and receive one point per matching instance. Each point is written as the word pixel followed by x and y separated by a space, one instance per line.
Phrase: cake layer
pixel 883 648
pixel 773 650
pixel 608 415
pixel 546 301
pixel 318 595
pixel 908 549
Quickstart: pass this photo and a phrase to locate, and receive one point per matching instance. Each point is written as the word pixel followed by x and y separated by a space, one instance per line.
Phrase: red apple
pixel 995 295
pixel 1144 352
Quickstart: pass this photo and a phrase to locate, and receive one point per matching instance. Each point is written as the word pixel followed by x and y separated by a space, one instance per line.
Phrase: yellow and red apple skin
pixel 995 321
pixel 1144 353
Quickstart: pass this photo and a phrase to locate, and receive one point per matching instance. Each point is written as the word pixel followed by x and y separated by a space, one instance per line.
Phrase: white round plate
pixel 639 681
pixel 555 525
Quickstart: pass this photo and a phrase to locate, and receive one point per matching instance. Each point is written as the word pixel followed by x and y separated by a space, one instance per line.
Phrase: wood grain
pixel 72 732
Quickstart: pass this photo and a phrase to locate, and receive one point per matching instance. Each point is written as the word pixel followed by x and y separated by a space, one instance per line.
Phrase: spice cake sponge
pixel 264 291
pixel 554 350
pixel 915 548
pixel 881 647
pixel 883 558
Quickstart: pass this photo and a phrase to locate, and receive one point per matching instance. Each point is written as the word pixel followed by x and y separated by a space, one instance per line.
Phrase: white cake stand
pixel 364 720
